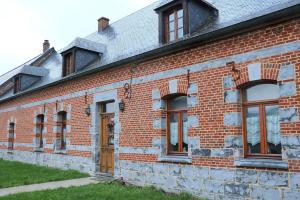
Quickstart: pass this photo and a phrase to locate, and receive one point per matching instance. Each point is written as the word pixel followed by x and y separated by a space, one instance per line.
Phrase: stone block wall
pixel 214 183
pixel 61 161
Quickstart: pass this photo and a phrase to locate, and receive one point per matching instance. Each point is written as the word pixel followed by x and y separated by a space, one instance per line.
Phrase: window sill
pixel 39 150
pixel 261 163
pixel 63 151
pixel 10 151
pixel 175 159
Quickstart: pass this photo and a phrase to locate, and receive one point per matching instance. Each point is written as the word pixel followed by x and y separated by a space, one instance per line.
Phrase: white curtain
pixel 185 132
pixel 174 133
pixel 253 130
pixel 273 129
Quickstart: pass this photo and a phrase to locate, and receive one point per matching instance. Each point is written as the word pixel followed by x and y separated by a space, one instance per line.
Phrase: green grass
pixel 16 174
pixel 113 191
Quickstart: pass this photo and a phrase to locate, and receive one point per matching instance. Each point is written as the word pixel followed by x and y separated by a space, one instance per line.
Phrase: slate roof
pixel 26 68
pixel 85 44
pixel 138 33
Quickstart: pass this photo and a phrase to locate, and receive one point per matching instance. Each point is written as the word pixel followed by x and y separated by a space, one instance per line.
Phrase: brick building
pixel 187 95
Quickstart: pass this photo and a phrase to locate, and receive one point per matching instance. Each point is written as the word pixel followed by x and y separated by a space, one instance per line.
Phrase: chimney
pixel 103 23
pixel 46 46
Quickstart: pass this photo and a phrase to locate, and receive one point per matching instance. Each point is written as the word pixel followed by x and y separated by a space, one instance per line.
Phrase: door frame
pixel 100 98
pixel 101 114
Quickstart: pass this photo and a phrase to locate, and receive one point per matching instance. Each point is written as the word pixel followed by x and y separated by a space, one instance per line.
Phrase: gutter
pixel 242 27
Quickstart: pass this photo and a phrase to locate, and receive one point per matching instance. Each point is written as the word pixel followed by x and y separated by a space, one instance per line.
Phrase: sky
pixel 25 24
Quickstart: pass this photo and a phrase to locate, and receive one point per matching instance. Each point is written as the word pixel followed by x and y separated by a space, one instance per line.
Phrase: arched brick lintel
pixel 258 72
pixel 173 87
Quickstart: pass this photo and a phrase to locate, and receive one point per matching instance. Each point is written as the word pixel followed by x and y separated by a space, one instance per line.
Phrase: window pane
pixel 17 84
pixel 174 131
pixel 273 130
pixel 62 129
pixel 180 33
pixel 40 118
pixel 172 36
pixel 11 136
pixel 59 127
pixel 62 116
pixel 171 17
pixel 109 107
pixel 63 136
pixel 262 92
pixel 178 103
pixel 185 132
pixel 39 129
pixel 171 26
pixel 11 127
pixel 253 130
pixel 11 131
pixel 180 13
pixel 180 22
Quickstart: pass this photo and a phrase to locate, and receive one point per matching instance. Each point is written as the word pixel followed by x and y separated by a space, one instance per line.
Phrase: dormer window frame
pixel 164 13
pixel 70 67
pixel 69 62
pixel 173 16
pixel 17 84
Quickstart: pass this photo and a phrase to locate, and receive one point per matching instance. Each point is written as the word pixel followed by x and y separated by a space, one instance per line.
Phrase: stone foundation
pixel 51 160
pixel 214 183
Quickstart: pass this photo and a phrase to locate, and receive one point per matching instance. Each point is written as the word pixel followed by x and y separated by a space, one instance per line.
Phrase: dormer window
pixel 79 54
pixel 17 85
pixel 174 24
pixel 181 18
pixel 68 66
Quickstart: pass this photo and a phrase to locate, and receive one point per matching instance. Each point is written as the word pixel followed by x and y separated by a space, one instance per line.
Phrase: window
pixel 108 107
pixel 174 24
pixel 261 121
pixel 39 130
pixel 177 129
pixel 17 85
pixel 68 67
pixel 11 136
pixel 62 129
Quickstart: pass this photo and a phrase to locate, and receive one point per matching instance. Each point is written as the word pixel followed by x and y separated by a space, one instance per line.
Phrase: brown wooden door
pixel 107 143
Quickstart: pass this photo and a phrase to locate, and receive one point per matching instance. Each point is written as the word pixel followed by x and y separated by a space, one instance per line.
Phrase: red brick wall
pixel 137 120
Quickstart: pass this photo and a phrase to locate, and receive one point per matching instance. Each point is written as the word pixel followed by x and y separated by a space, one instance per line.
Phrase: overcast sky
pixel 25 24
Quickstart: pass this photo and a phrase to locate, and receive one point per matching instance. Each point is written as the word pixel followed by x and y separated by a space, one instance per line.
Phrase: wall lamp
pixel 122 105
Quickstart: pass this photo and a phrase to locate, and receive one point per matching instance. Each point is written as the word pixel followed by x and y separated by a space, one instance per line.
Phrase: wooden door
pixel 107 143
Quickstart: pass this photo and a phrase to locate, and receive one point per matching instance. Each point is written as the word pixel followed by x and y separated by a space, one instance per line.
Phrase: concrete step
pixel 102 177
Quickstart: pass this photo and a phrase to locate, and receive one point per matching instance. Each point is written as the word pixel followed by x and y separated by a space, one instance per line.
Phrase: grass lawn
pixel 113 191
pixel 16 174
